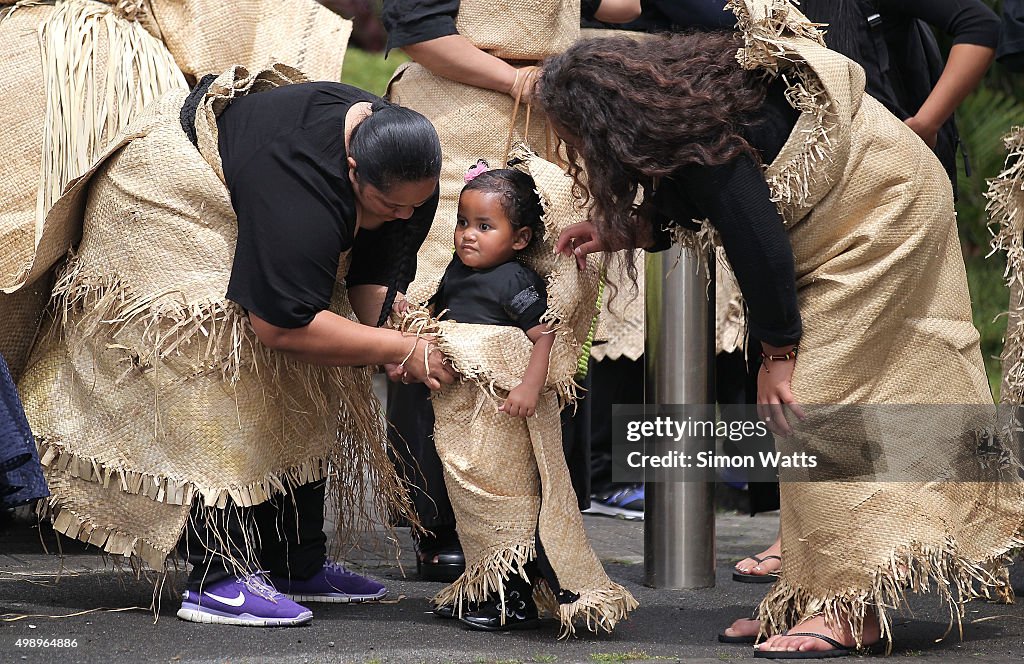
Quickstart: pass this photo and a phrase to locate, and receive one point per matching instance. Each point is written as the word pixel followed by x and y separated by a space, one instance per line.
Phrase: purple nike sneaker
pixel 333 583
pixel 249 601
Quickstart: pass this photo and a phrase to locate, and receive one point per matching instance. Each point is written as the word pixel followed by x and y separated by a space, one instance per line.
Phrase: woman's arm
pixel 736 199
pixel 975 32
pixel 965 67
pixel 331 340
pixel 522 400
pixel 425 30
pixel 617 11
pixel 367 300
pixel 455 58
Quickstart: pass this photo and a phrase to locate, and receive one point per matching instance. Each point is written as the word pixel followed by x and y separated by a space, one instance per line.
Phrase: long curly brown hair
pixel 640 109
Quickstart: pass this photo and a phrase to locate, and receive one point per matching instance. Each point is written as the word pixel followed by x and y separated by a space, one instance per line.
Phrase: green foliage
pixel 983 119
pixel 989 297
pixel 370 71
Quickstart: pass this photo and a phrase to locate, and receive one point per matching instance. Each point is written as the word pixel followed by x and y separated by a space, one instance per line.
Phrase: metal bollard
pixel 679 517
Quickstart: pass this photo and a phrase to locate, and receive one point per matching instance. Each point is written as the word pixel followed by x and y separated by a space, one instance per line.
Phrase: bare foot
pixel 743 627
pixel 816 625
pixel 767 566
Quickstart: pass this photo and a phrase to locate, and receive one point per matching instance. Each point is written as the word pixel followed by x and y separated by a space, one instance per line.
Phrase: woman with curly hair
pixel 769 136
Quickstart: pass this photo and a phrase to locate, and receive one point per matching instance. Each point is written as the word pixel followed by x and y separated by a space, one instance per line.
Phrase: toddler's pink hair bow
pixel 476 169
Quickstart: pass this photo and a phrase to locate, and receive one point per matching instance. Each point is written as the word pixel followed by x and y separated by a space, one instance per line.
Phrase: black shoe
pixel 520 611
pixel 447 611
pixel 450 563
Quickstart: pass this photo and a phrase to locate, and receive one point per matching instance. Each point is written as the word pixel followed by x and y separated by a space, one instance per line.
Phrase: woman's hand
pixel 525 83
pixel 579 240
pixel 426 364
pixel 401 305
pixel 775 389
pixel 394 372
pixel 521 401
pixel 929 134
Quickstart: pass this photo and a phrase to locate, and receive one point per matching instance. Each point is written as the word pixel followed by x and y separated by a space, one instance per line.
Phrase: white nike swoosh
pixel 236 601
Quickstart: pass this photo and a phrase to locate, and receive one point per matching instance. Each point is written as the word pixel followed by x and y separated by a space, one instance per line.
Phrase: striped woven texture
pixel 68 99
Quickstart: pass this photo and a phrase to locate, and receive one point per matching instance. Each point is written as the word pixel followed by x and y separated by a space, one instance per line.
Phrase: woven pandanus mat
pixel 150 382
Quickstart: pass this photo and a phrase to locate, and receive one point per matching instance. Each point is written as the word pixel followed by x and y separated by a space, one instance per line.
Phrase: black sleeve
pixel 705 14
pixel 588 8
pixel 414 21
pixel 966 21
pixel 1011 36
pixel 286 257
pixel 525 298
pixel 735 198
pixel 387 256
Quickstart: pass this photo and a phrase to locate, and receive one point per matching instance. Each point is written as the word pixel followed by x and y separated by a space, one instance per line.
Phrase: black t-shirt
pixel 414 21
pixel 667 15
pixel 508 294
pixel 284 161
pixel 736 199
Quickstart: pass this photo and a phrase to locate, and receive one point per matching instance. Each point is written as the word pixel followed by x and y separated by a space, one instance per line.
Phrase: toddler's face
pixel 484 236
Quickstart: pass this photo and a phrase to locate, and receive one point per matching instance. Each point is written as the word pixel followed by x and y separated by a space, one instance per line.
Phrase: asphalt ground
pixel 80 597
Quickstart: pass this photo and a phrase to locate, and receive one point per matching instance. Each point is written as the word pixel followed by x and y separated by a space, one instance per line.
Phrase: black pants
pixel 612 382
pixel 411 433
pixel 286 531
pixel 736 382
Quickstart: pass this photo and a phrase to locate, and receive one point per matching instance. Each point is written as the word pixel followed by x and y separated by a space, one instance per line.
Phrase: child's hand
pixel 521 402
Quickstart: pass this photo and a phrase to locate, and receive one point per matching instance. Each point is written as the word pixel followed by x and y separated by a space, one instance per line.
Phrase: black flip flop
pixel 771 577
pixel 838 649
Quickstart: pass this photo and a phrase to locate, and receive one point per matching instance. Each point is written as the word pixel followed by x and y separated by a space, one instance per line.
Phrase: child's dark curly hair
pixel 519 198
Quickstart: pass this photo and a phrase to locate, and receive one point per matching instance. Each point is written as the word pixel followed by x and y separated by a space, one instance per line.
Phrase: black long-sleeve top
pixel 736 199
